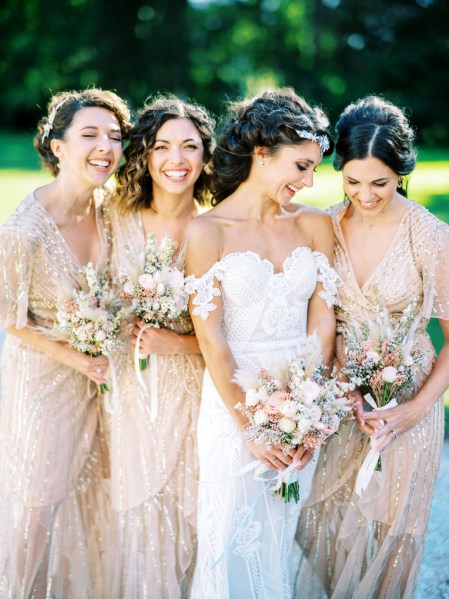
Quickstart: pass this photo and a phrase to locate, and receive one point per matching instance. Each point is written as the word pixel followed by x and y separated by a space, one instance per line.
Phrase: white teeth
pixel 367 204
pixel 293 188
pixel 176 174
pixel 100 163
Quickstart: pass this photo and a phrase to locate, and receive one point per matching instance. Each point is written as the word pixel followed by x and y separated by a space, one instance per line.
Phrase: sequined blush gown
pixel 51 467
pixel 264 316
pixel 154 466
pixel 371 546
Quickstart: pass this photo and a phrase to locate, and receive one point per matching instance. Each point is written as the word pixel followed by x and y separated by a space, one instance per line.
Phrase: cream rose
pixel 128 288
pixel 100 335
pixel 252 397
pixel 288 408
pixel 373 355
pixel 260 417
pixel 146 281
pixel 287 425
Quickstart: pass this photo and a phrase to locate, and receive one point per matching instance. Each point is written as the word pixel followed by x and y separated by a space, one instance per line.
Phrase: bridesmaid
pixel 386 247
pixel 50 456
pixel 154 465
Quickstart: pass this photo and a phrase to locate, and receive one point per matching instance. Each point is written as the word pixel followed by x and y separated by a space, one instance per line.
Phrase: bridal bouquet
pixel 91 320
pixel 293 404
pixel 381 359
pixel 156 292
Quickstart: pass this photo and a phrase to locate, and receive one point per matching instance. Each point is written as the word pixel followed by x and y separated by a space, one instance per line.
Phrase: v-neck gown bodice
pixel 371 546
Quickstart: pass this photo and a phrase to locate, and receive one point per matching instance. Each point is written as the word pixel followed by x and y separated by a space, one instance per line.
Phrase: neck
pixel 254 205
pixel 173 207
pixel 63 199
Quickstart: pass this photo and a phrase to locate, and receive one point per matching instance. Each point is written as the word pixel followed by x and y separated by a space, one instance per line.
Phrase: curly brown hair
pixel 135 189
pixel 60 113
pixel 270 120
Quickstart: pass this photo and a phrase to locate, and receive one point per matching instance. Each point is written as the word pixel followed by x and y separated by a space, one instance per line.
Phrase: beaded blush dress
pixel 51 466
pixel 154 465
pixel 371 546
pixel 246 547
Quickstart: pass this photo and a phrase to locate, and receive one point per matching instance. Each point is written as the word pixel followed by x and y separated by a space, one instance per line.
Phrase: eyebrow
pixel 114 127
pixel 165 141
pixel 373 181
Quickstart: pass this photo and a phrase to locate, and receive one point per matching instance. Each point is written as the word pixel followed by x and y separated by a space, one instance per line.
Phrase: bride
pixel 259 282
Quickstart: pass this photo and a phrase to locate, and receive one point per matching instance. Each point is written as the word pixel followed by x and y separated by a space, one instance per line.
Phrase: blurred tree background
pixel 330 51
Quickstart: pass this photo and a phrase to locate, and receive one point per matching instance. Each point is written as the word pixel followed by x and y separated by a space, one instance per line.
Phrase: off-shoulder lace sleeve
pixel 431 248
pixel 205 290
pixel 328 277
pixel 15 275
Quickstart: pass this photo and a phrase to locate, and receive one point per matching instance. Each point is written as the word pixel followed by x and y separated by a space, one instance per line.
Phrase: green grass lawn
pixel 20 174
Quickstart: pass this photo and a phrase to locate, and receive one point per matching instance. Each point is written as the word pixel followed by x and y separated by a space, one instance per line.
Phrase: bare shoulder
pixel 204 242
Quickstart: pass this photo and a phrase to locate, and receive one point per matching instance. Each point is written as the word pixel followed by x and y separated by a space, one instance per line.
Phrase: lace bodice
pixel 261 305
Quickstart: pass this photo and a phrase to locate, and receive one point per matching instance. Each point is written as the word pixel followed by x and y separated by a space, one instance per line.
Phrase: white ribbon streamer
pixel 112 409
pixel 369 464
pixel 153 371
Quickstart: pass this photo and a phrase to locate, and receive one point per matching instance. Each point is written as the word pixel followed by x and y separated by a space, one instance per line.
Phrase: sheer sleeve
pixel 329 279
pixel 16 264
pixel 205 290
pixel 431 247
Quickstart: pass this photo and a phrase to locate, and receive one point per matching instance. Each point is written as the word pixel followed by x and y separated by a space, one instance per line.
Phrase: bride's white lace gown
pixel 264 316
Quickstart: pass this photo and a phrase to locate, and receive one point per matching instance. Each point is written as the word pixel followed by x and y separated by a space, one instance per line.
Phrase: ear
pixel 56 147
pixel 260 153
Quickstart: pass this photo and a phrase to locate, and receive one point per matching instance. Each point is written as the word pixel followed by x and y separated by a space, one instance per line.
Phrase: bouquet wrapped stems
pixel 289 491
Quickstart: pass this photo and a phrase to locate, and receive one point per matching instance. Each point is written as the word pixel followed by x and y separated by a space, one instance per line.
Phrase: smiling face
pixel 92 146
pixel 370 184
pixel 176 159
pixel 289 170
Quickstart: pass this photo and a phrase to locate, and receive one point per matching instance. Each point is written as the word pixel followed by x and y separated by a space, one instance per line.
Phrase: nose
pixel 365 193
pixel 176 154
pixel 308 179
pixel 104 143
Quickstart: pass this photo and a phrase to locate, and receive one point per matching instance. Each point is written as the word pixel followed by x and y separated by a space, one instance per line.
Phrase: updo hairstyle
pixel 61 111
pixel 375 128
pixel 269 121
pixel 135 189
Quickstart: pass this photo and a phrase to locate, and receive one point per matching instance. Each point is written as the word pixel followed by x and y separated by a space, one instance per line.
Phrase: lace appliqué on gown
pixel 242 525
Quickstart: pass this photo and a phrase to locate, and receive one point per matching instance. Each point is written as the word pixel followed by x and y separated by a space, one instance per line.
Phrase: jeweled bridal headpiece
pixel 49 124
pixel 321 140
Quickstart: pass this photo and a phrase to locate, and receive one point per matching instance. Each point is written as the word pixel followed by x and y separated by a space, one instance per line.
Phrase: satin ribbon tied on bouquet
pixel 369 464
pixel 284 476
pixel 153 371
pixel 111 408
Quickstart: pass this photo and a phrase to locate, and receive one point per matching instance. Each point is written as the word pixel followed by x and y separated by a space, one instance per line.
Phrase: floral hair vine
pixel 49 124
pixel 321 140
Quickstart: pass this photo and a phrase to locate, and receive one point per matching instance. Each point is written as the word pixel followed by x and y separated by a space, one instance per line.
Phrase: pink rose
pixel 374 356
pixel 389 374
pixel 368 345
pixel 100 335
pixel 274 401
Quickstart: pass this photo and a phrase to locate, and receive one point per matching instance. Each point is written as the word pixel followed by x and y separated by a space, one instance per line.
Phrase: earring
pixel 400 183
pixel 261 163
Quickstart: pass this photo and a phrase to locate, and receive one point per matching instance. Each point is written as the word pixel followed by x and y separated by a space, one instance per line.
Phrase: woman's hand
pixel 369 428
pixel 397 420
pixel 94 368
pixel 154 340
pixel 303 457
pixel 273 458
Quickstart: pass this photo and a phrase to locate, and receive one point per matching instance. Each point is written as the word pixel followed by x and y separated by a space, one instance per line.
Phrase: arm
pixel 203 251
pixel 63 353
pixel 321 316
pixel 410 413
